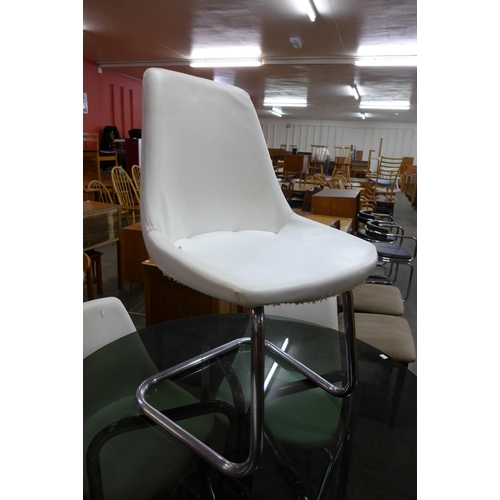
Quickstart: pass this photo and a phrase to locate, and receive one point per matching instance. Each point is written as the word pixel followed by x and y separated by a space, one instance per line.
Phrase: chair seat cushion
pixel 382 182
pixel 389 334
pixel 378 299
pixel 303 262
pixel 391 251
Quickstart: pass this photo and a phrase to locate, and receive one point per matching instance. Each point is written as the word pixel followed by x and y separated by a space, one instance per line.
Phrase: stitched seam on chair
pixel 285 223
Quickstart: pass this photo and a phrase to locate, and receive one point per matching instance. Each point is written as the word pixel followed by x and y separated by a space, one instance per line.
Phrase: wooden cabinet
pixel 338 202
pixel 134 253
pixel 166 299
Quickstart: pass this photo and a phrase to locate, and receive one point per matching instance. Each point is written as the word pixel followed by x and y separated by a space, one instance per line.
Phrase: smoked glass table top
pixel 316 445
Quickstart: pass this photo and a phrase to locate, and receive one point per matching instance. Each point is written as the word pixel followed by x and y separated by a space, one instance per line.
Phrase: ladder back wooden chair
pixel 386 177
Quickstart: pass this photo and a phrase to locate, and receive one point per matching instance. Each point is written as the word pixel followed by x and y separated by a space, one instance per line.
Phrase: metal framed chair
pixel 230 233
pixel 388 238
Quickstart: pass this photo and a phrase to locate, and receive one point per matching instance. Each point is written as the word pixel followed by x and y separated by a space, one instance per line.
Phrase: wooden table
pixel 345 222
pixel 101 226
pixel 337 202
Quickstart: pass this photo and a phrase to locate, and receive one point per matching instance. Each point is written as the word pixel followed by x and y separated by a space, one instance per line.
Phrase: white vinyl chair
pixel 104 321
pixel 226 230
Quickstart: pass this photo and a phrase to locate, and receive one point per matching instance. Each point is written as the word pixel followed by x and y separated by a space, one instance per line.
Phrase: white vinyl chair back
pixel 230 195
pixel 104 321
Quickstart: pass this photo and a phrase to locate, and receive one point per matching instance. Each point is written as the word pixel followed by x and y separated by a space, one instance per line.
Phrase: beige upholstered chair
pixel 230 233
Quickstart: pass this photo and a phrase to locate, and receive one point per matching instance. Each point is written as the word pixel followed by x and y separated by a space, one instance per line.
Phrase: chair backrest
pixel 389 168
pixel 104 321
pixel 136 176
pixel 104 194
pixel 206 125
pixel 318 152
pixel 317 179
pixel 342 172
pixel 337 183
pixel 127 195
pixel 343 155
pixel 287 189
pixel 90 141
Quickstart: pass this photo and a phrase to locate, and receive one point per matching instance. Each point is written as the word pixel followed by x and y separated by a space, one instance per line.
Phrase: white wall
pixel 399 139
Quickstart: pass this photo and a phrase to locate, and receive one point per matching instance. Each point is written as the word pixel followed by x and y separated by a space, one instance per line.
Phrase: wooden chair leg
pixel 90 285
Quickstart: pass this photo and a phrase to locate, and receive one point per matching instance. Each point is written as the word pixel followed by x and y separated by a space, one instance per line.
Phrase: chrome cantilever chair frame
pixel 258 343
pixel 379 233
pixel 233 232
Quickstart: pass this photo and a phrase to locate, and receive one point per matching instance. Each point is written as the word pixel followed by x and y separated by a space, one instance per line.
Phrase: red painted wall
pixel 113 99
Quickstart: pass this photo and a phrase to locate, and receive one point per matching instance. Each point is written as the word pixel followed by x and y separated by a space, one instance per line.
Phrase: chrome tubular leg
pixel 220 463
pixel 350 334
pixel 257 357
pixel 351 355
pixel 257 385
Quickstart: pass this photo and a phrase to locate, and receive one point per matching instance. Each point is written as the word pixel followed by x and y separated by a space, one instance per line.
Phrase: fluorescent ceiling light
pixel 224 57
pixel 285 101
pixel 387 61
pixel 277 112
pixel 355 92
pixel 363 116
pixel 385 104
pixel 227 52
pixel 225 63
pixel 311 10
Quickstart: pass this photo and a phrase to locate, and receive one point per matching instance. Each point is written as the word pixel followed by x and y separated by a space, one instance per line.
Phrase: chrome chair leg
pixel 257 355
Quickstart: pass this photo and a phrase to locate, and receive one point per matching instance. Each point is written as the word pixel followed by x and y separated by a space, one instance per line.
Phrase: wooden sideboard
pixel 338 202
